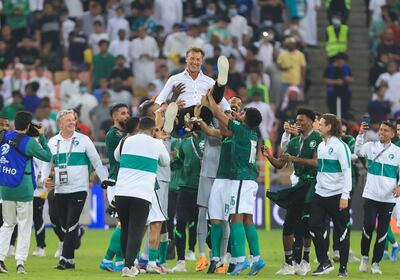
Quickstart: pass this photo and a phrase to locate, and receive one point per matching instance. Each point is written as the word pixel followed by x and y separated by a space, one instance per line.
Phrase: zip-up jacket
pixel 334 168
pixel 383 171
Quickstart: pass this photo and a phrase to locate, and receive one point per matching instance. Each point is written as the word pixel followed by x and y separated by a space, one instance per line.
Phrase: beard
pixel 122 124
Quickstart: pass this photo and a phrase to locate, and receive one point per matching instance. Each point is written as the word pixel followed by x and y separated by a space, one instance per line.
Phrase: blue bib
pixel 12 161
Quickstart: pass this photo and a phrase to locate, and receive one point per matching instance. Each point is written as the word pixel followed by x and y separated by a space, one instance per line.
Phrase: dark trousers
pixel 70 206
pixel 54 219
pixel 38 223
pixel 344 101
pixel 374 210
pixel 15 232
pixel 336 237
pixel 172 199
pixel 133 213
pixel 186 215
pixel 206 114
pixel 322 207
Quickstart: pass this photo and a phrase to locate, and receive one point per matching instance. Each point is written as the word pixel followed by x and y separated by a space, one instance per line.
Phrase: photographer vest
pixel 13 158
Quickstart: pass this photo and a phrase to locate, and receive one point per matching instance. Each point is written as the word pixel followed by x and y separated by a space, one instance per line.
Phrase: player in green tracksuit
pixel 390 235
pixel 176 173
pixel 301 150
pixel 244 174
pixel 190 155
pixel 119 114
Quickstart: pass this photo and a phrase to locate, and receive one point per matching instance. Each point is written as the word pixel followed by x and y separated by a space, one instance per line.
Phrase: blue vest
pixel 13 160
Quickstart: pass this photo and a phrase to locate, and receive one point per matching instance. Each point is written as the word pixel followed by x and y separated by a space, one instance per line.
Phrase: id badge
pixel 63 174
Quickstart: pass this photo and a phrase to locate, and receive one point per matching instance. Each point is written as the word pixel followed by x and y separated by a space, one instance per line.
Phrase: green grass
pixel 95 243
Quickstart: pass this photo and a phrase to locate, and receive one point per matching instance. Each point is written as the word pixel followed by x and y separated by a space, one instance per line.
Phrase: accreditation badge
pixel 63 174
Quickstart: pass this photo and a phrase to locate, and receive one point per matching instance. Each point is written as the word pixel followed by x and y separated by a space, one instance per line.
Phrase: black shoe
pixel 3 268
pixel 61 265
pixel 81 232
pixel 324 268
pixel 212 267
pixel 231 267
pixel 171 251
pixel 343 272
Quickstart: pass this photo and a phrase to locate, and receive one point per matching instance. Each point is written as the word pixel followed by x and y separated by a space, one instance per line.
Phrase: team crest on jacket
pixel 76 142
pixel 313 143
pixel 5 149
pixel 330 150
pixel 391 156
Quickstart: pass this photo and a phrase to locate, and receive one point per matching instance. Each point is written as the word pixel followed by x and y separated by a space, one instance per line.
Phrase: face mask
pixel 268 23
pixel 210 12
pixel 232 12
pixel 336 21
pixel 83 90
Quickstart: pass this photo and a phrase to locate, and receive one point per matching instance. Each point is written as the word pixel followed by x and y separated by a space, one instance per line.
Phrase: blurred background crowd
pixel 88 55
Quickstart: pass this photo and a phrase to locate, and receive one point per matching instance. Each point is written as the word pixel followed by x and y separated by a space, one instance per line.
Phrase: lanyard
pixel 194 148
pixel 68 154
pixel 378 155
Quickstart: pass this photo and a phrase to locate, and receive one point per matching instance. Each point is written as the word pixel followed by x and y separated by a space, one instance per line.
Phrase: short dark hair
pixel 391 125
pixel 306 112
pixel 131 124
pixel 335 123
pixel 3 117
pixel 253 117
pixel 22 120
pixel 144 107
pixel 146 123
pixel 116 107
pixel 103 41
pixel 35 86
pixel 397 121
pixel 196 50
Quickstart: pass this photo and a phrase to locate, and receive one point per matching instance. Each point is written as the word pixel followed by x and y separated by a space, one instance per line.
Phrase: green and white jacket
pixel 334 168
pixel 383 172
pixel 81 151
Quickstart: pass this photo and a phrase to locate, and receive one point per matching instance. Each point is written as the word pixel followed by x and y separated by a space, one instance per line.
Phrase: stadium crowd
pixel 211 79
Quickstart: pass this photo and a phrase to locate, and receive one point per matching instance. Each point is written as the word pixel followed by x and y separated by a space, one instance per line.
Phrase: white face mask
pixel 336 21
pixel 210 12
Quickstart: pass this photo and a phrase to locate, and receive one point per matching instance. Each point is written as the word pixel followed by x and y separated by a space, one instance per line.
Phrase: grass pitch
pixel 95 243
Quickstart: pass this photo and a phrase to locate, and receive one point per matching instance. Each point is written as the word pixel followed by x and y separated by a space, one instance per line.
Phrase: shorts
pixel 162 193
pixel 243 196
pixel 220 198
pixel 203 195
pixel 156 214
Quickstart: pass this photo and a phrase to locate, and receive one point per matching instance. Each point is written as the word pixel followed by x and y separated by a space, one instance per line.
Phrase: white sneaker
pixel 170 115
pixel 375 269
pixel 303 268
pixel 190 256
pixel 39 252
pixel 126 272
pixel 153 269
pixel 353 258
pixel 223 69
pixel 286 269
pixel 179 267
pixel 11 251
pixel 364 265
pixel 58 252
pixel 336 256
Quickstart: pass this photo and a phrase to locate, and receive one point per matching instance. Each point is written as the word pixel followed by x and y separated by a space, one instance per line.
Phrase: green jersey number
pixel 253 151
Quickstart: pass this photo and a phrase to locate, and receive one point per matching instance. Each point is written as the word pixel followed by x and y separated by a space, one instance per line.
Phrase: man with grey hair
pixel 72 153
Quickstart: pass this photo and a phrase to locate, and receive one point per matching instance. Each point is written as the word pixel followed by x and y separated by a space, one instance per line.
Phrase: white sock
pixel 395 244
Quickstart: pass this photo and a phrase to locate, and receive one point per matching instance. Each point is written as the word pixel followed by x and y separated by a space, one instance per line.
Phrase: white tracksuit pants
pixel 21 214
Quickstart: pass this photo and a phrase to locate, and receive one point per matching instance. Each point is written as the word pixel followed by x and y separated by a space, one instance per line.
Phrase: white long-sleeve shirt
pixel 334 168
pixel 46 87
pixel 383 173
pixel 139 160
pixel 268 117
pixel 83 153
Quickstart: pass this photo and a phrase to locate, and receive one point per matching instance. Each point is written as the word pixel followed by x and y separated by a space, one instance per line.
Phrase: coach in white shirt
pixel 188 87
pixel 72 153
pixel 139 159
